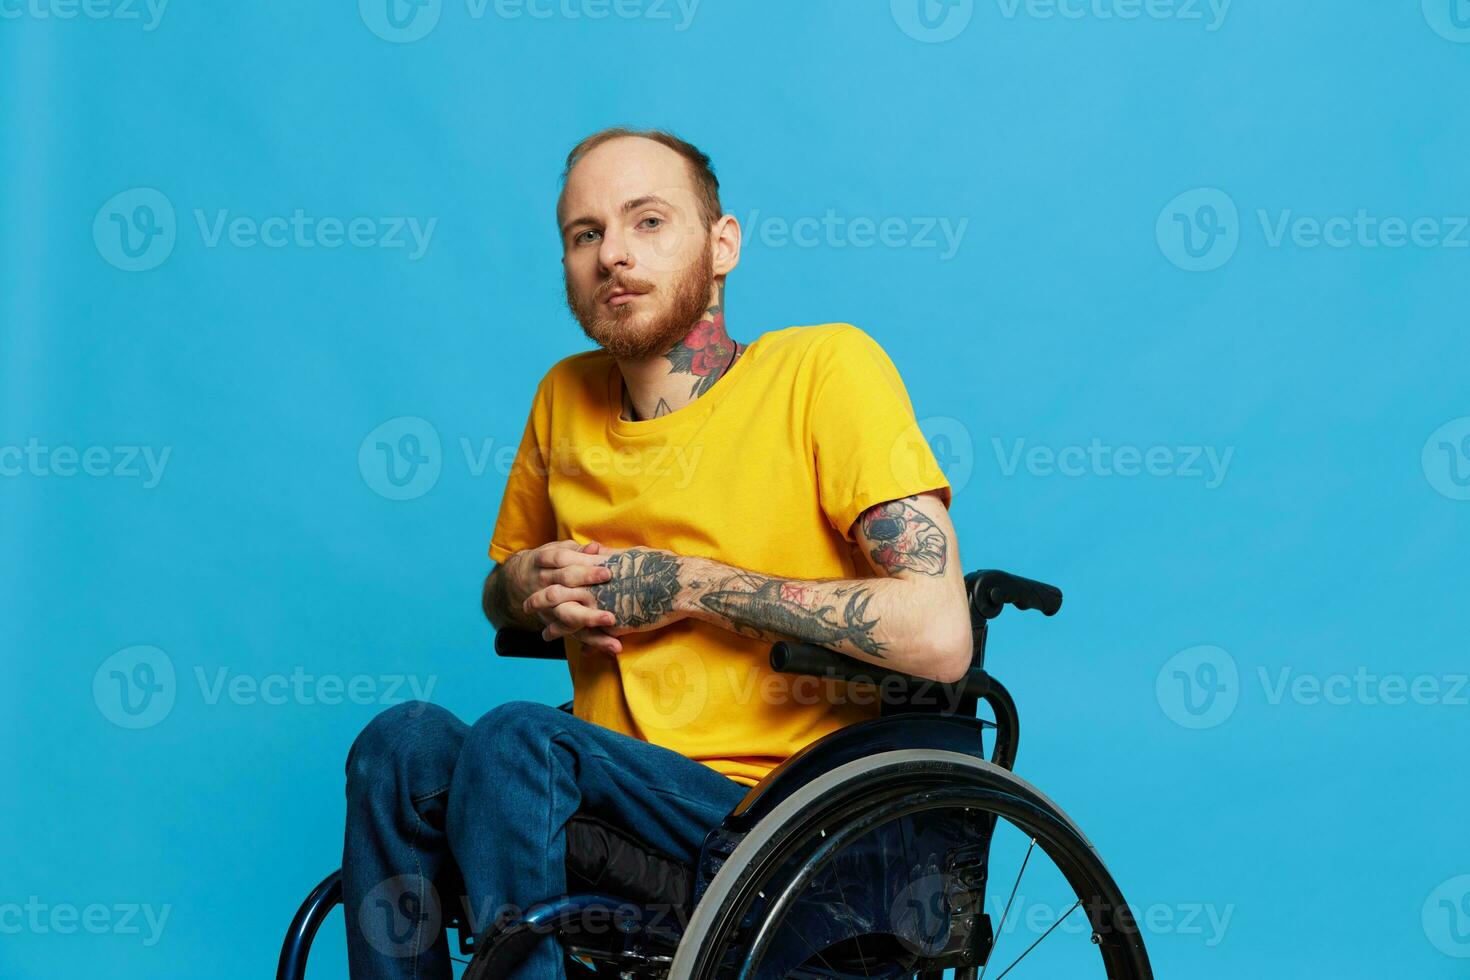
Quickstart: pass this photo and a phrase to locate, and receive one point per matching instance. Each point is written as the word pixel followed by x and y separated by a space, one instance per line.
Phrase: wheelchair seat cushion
pixel 604 858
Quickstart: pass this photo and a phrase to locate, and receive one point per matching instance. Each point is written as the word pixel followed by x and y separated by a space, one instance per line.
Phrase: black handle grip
pixel 512 642
pixel 795 657
pixel 991 590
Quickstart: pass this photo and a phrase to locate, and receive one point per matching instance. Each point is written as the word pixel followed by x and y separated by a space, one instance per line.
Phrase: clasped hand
pixel 597 594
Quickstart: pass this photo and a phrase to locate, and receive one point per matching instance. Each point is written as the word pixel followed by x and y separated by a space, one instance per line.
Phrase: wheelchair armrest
pixel 991 590
pixel 513 642
pixel 794 657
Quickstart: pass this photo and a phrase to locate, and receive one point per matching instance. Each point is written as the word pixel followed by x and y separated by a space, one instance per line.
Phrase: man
pixel 679 500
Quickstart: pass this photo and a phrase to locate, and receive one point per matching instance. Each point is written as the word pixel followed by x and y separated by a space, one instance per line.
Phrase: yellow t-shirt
pixel 766 471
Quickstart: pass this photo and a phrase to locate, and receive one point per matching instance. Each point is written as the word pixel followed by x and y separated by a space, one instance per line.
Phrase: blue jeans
pixel 424 788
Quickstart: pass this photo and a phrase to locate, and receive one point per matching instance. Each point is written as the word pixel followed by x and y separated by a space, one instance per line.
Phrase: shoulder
pixel 578 375
pixel 818 347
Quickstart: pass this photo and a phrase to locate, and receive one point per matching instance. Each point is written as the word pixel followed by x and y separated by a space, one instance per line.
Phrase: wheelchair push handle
pixel 513 642
pixel 992 590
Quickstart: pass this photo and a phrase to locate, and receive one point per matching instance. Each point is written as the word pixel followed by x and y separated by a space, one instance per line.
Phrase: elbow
pixel 950 648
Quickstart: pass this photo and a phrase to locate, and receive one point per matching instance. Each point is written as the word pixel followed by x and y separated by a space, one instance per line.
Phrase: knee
pixel 403 744
pixel 507 734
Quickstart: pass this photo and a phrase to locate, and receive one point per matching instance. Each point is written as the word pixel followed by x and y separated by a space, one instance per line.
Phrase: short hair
pixel 701 171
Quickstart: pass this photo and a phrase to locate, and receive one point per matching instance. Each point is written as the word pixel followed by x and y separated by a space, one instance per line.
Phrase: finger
pixel 574 616
pixel 597 640
pixel 577 576
pixel 555 595
pixel 562 557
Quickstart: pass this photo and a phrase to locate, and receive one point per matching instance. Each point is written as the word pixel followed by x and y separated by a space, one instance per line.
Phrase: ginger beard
pixel 638 329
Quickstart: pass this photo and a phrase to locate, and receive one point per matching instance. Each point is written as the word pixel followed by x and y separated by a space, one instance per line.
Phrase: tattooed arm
pixel 912 616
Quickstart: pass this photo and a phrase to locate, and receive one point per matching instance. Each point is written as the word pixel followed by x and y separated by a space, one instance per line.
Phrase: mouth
pixel 620 297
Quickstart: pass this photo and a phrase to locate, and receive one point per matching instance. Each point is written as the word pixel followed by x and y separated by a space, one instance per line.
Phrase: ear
pixel 725 244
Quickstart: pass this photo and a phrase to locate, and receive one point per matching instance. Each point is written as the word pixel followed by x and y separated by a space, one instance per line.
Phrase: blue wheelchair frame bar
pixel 308 920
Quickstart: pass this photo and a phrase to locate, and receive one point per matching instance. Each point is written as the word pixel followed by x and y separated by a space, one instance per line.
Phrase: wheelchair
pixel 868 854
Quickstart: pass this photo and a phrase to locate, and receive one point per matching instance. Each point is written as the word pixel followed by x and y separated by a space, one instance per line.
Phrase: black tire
pixel 885 787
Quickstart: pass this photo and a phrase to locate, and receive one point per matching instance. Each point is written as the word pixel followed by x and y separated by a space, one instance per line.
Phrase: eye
pixel 645 221
pixel 581 238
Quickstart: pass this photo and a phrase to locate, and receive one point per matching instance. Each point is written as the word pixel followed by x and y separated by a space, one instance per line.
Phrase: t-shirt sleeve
pixel 527 519
pixel 867 444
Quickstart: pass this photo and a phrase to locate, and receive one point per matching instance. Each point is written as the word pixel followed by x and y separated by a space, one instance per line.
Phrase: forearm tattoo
pixel 774 608
pixel 901 537
pixel 643 586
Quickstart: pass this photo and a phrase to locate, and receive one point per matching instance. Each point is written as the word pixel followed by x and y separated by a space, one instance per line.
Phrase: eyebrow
pixel 631 205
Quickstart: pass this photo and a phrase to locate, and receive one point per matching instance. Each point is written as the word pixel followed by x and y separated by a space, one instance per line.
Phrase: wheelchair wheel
pixel 884 867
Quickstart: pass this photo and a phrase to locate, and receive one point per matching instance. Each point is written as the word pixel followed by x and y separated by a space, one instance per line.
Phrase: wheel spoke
pixel 1000 926
pixel 862 957
pixel 807 943
pixel 1075 905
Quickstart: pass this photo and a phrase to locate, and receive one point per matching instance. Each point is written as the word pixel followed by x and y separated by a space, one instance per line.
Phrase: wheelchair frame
pixel 934 728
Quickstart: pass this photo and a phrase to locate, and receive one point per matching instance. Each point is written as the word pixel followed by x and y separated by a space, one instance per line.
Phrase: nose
pixel 613 252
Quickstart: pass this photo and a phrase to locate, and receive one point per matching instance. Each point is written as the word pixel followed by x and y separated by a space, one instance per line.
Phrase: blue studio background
pixel 1178 288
